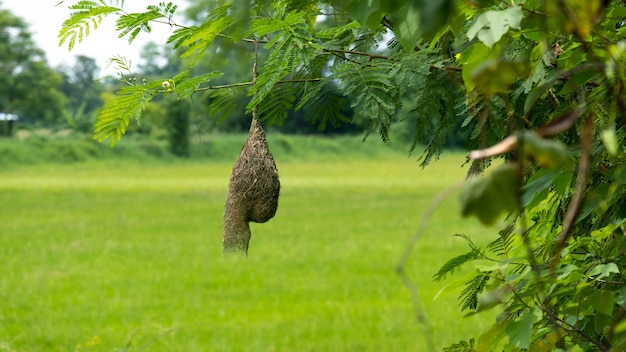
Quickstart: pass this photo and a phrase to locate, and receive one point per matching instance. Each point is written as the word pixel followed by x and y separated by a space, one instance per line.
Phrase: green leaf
pixel 562 183
pixel 618 342
pixel 586 13
pixel 323 106
pixel 609 139
pixel 520 330
pixel 407 25
pixel 198 39
pixel 492 298
pixel 180 35
pixel 546 153
pixel 277 104
pixel 596 199
pixel 492 336
pixel 462 346
pixel 473 288
pixel 617 174
pixel 185 87
pixel 600 305
pixel 541 181
pixel 487 197
pixel 120 63
pixel 434 16
pixel 370 12
pixel 291 22
pixel 279 64
pixel 492 25
pixel 547 342
pixel 603 270
pixel 497 76
pixel 84 14
pixel 338 31
pixel 455 263
pixel 540 90
pixel 473 57
pixel 223 102
pixel 130 102
pixel 133 23
pixel 375 96
pixel 578 80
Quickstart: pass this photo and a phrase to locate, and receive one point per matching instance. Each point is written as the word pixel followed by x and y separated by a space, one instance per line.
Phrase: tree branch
pixel 360 53
pixel 579 192
pixel 255 72
pixel 249 83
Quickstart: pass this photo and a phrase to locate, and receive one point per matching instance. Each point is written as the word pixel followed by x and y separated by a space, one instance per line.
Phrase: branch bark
pixel 586 141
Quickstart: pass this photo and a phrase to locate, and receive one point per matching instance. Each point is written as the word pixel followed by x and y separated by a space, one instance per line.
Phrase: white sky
pixel 45 18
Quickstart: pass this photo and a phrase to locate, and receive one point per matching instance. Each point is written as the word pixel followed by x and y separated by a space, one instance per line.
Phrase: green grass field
pixel 127 257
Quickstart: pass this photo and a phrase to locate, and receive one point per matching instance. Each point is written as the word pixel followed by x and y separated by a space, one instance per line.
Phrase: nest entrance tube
pixel 252 192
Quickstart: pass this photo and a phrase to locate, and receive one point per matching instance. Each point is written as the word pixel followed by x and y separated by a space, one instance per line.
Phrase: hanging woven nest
pixel 252 192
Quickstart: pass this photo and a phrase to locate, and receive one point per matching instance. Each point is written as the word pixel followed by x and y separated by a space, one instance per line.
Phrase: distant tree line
pixel 38 94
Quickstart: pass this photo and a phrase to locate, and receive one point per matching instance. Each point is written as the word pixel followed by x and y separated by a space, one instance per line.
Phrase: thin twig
pixel 255 109
pixel 560 323
pixel 579 192
pixel 572 329
pixel 408 250
pixel 360 53
pixel 250 83
pixel 225 86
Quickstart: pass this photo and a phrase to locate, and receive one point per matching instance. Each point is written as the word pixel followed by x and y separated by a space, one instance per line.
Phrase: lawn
pixel 127 257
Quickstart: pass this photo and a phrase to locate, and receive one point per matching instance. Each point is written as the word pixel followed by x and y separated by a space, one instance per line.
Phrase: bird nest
pixel 252 192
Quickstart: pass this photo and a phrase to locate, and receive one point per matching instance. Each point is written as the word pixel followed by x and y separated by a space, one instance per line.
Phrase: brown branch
pixel 586 140
pixel 557 321
pixel 335 52
pixel 226 86
pixel 596 66
pixel 301 80
pixel 250 83
pixel 383 57
pixel 448 68
pixel 564 122
pixel 560 323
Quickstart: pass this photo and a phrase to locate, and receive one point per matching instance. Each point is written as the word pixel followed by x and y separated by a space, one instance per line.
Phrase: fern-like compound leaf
pixel 279 64
pixel 198 39
pixel 277 104
pixel 462 346
pixel 115 117
pixel 134 23
pixel 323 105
pixel 223 102
pixel 85 14
pixel 375 97
pixel 185 87
pixel 469 295
pixel 455 263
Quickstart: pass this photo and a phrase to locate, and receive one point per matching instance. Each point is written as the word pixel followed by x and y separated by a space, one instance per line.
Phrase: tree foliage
pixel 28 86
pixel 83 92
pixel 538 84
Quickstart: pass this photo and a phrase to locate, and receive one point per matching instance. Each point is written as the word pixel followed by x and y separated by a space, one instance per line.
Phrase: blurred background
pixel 49 90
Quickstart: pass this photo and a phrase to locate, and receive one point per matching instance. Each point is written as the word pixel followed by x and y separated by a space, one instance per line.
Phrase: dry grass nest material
pixel 252 192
